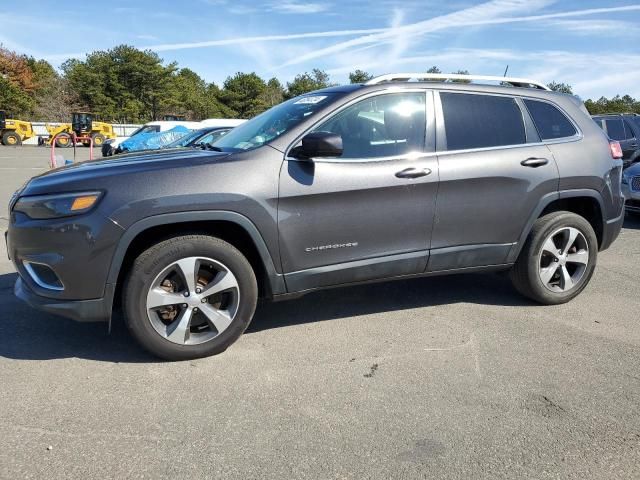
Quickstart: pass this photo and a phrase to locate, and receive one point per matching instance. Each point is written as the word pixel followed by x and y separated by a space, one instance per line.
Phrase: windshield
pixel 185 140
pixel 146 129
pixel 273 123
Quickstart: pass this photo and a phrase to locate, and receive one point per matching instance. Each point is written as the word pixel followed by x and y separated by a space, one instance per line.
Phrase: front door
pixel 367 214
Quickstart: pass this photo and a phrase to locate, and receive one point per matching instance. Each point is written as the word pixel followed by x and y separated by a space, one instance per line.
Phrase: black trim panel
pixel 95 310
pixel 464 256
pixel 276 280
pixel 357 271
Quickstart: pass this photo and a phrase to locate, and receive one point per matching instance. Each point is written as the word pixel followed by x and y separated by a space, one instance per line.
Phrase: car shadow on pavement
pixel 28 334
pixel 482 289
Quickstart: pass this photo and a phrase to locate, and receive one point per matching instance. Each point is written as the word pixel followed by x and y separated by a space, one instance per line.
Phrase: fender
pixel 276 280
pixel 544 203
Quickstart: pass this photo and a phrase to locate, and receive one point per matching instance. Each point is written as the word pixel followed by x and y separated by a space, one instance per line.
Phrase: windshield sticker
pixel 310 100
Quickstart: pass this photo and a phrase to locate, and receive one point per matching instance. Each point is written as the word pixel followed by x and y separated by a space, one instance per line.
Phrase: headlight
pixel 625 180
pixel 55 206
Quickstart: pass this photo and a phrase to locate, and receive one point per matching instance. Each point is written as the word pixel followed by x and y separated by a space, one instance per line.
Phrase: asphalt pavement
pixel 439 378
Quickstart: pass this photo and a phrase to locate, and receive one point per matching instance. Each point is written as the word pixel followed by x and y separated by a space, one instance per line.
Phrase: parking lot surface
pixel 442 377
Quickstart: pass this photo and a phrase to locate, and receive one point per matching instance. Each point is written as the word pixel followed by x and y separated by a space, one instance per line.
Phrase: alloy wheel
pixel 563 259
pixel 193 300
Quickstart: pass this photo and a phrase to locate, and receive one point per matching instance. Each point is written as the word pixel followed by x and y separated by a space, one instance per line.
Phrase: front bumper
pixel 94 310
pixel 632 198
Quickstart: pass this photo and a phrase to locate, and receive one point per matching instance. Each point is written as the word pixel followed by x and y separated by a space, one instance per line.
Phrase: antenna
pixel 505 71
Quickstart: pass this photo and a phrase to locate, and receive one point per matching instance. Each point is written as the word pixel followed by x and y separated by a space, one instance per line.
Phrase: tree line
pixel 128 85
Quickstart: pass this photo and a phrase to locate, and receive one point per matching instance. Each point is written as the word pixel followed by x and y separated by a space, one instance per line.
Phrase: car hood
pixel 632 171
pixel 88 174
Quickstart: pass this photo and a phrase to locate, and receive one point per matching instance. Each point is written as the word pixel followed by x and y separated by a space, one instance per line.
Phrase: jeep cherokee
pixel 407 175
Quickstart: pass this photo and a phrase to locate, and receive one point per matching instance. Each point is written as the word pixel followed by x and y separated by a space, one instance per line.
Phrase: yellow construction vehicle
pixel 14 132
pixel 83 125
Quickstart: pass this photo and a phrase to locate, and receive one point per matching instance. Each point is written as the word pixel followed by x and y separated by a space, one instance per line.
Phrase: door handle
pixel 413 172
pixel 534 162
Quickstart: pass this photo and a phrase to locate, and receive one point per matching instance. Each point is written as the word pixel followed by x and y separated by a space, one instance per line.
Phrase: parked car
pixel 200 138
pixel 152 141
pixel 110 146
pixel 357 183
pixel 113 147
pixel 631 187
pixel 625 128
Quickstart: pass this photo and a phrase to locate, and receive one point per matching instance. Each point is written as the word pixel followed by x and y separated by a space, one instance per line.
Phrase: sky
pixel 592 45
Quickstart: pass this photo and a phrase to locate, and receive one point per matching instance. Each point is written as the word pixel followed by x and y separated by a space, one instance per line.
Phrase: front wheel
pixel 11 139
pixel 64 140
pixel 190 296
pixel 558 259
pixel 98 139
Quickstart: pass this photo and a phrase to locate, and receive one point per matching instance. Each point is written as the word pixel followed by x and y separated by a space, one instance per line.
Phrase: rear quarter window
pixel 550 122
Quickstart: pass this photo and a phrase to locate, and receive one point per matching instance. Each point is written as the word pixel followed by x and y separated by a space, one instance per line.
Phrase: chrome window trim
pixel 488 149
pixel 407 156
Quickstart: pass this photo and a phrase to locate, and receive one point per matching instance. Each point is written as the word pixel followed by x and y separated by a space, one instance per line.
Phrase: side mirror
pixel 319 144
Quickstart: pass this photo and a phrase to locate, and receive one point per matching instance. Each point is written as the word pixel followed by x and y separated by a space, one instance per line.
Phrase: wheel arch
pixel 232 227
pixel 584 202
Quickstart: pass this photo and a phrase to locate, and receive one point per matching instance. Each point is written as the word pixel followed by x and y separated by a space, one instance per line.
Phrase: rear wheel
pixel 98 139
pixel 11 139
pixel 557 260
pixel 64 140
pixel 189 297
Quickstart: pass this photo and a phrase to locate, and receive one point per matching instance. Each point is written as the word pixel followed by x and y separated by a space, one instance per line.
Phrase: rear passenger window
pixel 480 121
pixel 615 128
pixel 550 122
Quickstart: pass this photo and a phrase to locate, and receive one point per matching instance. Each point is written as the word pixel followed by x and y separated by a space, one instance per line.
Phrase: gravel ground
pixel 444 377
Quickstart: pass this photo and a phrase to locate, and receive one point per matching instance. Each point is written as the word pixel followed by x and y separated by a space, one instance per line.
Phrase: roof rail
pixel 633 114
pixel 443 77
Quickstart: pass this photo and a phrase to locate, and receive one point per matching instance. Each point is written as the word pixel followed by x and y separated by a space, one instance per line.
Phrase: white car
pixel 221 122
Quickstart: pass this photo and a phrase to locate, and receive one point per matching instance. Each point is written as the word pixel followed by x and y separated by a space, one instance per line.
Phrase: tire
pixel 568 272
pixel 187 329
pixel 107 151
pixel 64 140
pixel 98 139
pixel 11 139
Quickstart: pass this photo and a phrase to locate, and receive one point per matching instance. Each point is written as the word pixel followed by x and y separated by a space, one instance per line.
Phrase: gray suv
pixel 405 176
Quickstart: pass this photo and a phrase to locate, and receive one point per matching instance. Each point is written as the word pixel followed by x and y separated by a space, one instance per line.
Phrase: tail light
pixel 616 149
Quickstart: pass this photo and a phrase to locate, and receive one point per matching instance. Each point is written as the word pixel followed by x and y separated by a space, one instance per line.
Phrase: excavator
pixel 13 132
pixel 83 125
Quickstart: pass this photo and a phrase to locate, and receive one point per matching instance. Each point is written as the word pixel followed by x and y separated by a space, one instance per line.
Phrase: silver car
pixel 631 188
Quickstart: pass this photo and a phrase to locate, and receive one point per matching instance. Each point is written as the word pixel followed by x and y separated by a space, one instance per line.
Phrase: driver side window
pixel 381 126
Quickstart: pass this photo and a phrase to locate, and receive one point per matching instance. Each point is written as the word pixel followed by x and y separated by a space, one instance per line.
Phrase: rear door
pixel 493 172
pixel 367 214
